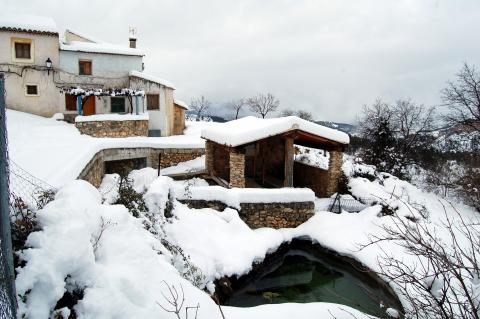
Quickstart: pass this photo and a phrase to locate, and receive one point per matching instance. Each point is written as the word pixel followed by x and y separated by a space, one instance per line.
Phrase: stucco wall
pixel 109 65
pixel 161 119
pixel 48 100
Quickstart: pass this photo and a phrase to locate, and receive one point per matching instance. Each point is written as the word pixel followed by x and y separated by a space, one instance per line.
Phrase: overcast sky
pixel 326 56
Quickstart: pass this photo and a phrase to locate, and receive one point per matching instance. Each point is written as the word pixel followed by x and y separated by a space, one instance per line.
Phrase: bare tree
pixel 304 115
pixel 438 280
pixel 236 106
pixel 263 104
pixel 175 302
pixel 200 105
pixel 463 98
pixel 411 122
pixel 287 112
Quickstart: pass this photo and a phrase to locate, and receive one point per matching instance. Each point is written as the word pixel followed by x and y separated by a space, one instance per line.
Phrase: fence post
pixel 8 302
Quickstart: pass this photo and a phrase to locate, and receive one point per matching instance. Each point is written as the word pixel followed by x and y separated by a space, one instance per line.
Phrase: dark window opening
pixel 85 67
pixel 32 90
pixel 153 102
pixel 117 104
pixel 22 50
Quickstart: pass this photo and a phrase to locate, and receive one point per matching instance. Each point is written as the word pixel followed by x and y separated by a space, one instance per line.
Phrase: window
pixel 31 89
pixel 70 102
pixel 117 104
pixel 153 101
pixel 85 67
pixel 22 50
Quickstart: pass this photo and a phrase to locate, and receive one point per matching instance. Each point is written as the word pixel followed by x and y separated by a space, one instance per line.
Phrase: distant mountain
pixel 344 127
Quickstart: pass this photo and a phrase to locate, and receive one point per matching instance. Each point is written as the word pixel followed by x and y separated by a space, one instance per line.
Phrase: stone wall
pixel 323 182
pixel 95 169
pixel 173 156
pixel 113 128
pixel 257 215
pixel 276 215
pixel 237 169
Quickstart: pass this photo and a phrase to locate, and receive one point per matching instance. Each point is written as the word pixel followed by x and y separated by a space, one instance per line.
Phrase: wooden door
pixel 89 106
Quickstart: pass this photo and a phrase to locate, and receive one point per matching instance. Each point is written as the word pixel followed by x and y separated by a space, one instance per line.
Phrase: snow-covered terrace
pixel 56 152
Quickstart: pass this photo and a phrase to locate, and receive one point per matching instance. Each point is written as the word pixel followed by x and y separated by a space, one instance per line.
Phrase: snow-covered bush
pixel 130 198
pixel 441 277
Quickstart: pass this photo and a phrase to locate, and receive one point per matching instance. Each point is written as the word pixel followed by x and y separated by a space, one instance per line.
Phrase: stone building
pixel 254 152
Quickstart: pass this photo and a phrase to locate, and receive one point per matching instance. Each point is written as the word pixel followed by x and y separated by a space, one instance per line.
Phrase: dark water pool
pixel 301 273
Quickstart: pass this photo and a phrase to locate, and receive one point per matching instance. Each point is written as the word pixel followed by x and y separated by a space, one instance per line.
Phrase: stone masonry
pixel 113 128
pixel 209 156
pixel 257 215
pixel 173 156
pixel 276 215
pixel 334 171
pixel 95 169
pixel 237 169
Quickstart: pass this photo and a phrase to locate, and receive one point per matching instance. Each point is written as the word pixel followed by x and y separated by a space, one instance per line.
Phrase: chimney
pixel 132 37
pixel 133 43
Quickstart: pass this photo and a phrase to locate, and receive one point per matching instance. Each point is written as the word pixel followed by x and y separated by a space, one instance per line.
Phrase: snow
pixel 112 117
pixel 182 104
pixel 312 157
pixel 91 47
pixel 235 196
pixel 86 37
pixel 152 78
pixel 250 129
pixel 82 244
pixel 192 166
pixel 56 152
pixel 29 23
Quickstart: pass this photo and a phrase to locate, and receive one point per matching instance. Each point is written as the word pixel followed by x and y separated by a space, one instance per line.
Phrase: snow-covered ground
pixel 56 152
pixel 121 263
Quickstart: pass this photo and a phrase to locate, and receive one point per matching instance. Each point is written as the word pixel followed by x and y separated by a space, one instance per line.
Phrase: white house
pixel 78 61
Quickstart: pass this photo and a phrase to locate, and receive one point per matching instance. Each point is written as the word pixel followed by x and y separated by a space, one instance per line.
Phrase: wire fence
pixel 27 189
pixel 7 280
pixel 347 203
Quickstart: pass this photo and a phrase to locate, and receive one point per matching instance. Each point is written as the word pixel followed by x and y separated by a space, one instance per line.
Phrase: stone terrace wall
pixel 173 156
pixel 113 128
pixel 257 215
pixel 95 169
pixel 276 215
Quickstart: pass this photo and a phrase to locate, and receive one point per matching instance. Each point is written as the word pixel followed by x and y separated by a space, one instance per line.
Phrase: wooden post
pixel 289 150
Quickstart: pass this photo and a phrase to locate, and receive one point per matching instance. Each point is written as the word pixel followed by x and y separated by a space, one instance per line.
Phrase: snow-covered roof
pixel 181 104
pixel 151 78
pixel 250 129
pixel 84 36
pixel 28 23
pixel 106 48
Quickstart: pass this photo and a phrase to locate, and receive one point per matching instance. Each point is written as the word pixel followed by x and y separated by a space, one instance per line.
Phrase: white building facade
pixel 78 61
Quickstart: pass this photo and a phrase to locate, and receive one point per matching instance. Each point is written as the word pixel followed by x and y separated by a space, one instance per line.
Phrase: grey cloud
pixel 329 57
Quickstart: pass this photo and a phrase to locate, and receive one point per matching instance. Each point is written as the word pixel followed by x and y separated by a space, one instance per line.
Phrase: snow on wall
pixel 181 103
pixel 112 117
pixel 250 129
pixel 152 78
pixel 99 48
pixel 235 196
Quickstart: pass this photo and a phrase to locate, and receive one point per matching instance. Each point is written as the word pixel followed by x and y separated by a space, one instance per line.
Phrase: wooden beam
pixel 289 153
